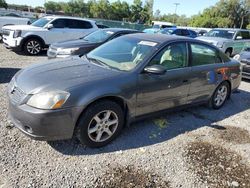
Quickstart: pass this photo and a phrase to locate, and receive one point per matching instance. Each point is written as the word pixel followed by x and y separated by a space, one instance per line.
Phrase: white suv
pixel 47 30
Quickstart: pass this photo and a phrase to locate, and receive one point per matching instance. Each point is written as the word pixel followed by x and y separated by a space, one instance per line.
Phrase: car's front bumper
pixel 246 71
pixel 11 42
pixel 44 124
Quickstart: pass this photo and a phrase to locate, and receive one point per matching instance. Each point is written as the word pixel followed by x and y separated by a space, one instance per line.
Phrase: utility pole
pixel 176 5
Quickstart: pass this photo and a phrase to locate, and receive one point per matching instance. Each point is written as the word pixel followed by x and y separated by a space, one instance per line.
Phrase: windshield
pixel 123 57
pixel 41 22
pixel 98 36
pixel 221 33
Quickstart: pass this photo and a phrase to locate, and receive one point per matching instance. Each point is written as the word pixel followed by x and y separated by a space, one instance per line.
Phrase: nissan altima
pixel 135 75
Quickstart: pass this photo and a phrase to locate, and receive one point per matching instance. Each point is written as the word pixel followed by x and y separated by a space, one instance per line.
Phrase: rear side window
pixel 80 24
pixel 185 32
pixel 204 55
pixel 178 32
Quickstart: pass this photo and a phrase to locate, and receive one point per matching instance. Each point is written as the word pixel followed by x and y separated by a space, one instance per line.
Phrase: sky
pixel 187 7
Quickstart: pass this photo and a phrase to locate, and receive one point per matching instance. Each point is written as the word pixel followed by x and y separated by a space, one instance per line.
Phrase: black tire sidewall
pixel 26 50
pixel 212 102
pixel 86 117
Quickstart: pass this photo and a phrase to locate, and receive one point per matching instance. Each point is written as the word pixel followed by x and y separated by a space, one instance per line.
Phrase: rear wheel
pixel 32 47
pixel 100 123
pixel 220 96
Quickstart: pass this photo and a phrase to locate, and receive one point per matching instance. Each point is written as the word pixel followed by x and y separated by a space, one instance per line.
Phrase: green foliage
pixel 226 13
pixel 3 4
pixel 103 9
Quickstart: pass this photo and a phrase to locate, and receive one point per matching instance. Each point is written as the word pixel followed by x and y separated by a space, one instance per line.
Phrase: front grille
pixel 246 68
pixel 5 32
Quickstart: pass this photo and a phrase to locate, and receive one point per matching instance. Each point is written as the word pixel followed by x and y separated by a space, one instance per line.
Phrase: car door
pixel 206 70
pixel 59 32
pixel 242 39
pixel 159 92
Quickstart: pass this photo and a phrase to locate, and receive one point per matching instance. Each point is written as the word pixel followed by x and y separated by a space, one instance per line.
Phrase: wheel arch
pixel 117 99
pixel 25 39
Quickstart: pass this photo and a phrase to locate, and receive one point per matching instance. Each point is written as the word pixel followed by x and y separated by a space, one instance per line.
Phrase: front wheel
pixel 220 95
pixel 32 47
pixel 100 124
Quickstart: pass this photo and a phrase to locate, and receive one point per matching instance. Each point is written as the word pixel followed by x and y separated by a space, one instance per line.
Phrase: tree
pixel 226 13
pixel 3 4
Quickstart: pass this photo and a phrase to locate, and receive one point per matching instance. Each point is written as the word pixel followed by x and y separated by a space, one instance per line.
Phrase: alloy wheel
pixel 102 126
pixel 33 47
pixel 221 95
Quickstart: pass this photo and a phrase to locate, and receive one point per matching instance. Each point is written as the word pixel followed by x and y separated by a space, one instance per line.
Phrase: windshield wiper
pixel 97 61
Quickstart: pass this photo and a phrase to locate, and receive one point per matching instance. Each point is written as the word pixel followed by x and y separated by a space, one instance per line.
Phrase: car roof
pixel 160 38
pixel 70 17
pixel 119 29
pixel 231 29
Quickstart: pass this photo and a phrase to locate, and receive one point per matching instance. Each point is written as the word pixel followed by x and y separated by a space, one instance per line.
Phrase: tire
pixel 228 52
pixel 220 95
pixel 32 46
pixel 101 123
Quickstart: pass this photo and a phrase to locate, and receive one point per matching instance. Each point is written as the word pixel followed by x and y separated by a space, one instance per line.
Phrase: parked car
pixel 126 78
pixel 7 20
pixel 33 38
pixel 244 58
pixel 87 43
pixel 230 41
pixel 179 31
pixel 157 26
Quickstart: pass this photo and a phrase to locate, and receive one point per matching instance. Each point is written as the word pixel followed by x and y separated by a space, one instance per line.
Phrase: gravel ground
pixel 196 147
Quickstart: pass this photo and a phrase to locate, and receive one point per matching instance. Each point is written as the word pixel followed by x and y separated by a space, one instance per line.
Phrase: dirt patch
pixel 217 166
pixel 128 177
pixel 234 135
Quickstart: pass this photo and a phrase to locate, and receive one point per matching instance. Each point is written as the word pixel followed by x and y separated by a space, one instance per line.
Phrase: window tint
pixel 79 24
pixel 204 55
pixel 173 56
pixel 243 34
pixel 185 32
pixel 177 32
pixel 60 23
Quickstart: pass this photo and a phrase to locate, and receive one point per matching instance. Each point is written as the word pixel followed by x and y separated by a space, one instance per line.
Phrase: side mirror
pixel 155 69
pixel 49 26
pixel 238 37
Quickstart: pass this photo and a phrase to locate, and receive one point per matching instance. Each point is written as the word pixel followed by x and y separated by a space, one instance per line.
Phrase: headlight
pixel 220 44
pixel 17 33
pixel 237 57
pixel 48 100
pixel 66 51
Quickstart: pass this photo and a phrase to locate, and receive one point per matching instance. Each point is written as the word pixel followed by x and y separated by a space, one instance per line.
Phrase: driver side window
pixel 172 56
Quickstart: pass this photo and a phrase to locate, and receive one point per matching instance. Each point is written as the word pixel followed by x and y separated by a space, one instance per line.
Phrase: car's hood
pixel 244 55
pixel 73 43
pixel 21 27
pixel 213 40
pixel 60 75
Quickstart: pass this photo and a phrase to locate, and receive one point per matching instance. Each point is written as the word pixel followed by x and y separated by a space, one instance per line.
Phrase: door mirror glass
pixel 155 69
pixel 50 26
pixel 239 38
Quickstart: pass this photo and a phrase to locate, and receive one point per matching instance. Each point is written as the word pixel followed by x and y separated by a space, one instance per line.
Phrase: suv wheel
pixel 220 96
pixel 100 124
pixel 32 47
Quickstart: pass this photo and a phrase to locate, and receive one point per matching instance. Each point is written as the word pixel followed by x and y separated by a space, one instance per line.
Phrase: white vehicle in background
pixel 32 39
pixel 158 25
pixel 230 41
pixel 9 20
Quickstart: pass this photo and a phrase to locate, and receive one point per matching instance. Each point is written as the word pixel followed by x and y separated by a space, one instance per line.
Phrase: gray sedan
pixel 132 76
